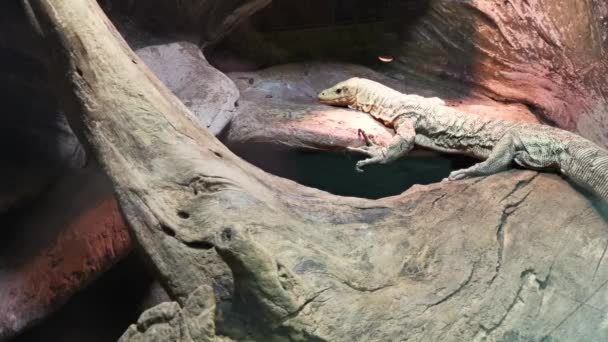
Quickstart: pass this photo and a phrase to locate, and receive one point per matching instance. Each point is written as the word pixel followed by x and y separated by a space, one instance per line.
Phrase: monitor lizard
pixel 429 123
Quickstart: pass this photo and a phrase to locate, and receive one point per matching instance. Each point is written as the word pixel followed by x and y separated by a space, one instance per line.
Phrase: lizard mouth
pixel 333 101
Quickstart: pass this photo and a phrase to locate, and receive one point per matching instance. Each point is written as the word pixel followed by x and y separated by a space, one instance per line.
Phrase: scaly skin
pixel 427 122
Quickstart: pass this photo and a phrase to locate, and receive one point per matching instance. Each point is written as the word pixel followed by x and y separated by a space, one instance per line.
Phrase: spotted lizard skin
pixel 429 123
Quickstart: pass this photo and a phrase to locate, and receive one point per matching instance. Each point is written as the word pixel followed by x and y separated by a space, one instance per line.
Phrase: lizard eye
pixel 339 90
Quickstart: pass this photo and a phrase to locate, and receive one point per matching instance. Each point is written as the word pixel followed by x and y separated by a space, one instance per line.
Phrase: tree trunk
pixel 250 256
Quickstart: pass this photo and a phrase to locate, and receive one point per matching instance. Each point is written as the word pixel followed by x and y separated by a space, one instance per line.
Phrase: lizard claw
pixel 376 159
pixel 361 133
pixel 376 154
pixel 456 175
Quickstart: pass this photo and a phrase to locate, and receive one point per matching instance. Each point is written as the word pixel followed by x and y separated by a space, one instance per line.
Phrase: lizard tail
pixel 588 167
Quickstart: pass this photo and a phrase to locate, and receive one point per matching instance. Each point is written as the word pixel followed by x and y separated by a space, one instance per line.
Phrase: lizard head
pixel 342 94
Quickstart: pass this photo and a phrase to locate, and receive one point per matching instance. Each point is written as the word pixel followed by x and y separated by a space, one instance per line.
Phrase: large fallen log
pixel 250 256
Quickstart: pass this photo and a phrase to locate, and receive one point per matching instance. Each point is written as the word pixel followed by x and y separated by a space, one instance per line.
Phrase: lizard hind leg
pixel 535 161
pixel 500 159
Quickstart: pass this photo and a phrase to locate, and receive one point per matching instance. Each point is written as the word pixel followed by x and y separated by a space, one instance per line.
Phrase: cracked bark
pixel 489 330
pixel 455 292
pixel 246 255
pixel 507 210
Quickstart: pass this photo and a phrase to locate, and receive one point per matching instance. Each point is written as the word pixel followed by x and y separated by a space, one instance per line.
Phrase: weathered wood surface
pixel 247 255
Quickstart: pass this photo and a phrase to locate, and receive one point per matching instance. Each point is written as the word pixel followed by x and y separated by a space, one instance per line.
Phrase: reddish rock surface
pixel 549 55
pixel 76 233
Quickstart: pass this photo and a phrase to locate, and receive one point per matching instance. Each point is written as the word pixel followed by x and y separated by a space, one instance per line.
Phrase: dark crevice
pixel 335 172
pixel 520 185
pixel 455 292
pixel 439 198
pixel 227 235
pixel 500 239
pixel 507 211
pixel 304 305
pixel 168 230
pixel 489 330
pixel 542 284
pixel 354 286
pixel 199 244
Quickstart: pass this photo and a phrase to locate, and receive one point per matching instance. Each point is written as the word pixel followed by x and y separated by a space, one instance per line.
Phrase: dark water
pixel 335 172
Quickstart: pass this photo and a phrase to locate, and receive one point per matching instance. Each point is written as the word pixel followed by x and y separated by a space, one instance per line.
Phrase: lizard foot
pixel 376 153
pixel 457 175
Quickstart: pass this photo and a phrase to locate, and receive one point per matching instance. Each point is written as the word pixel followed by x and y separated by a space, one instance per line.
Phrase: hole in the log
pixel 335 172
pixel 168 230
pixel 183 214
pixel 79 71
pixel 227 234
pixel 217 154
pixel 200 244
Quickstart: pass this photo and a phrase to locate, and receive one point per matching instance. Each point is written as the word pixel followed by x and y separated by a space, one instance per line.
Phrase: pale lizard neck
pixel 381 101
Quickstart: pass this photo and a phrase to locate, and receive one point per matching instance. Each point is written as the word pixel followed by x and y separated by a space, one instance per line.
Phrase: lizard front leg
pixel 400 145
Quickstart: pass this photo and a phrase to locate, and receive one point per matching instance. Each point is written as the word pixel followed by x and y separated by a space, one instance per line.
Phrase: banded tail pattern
pixel 588 166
